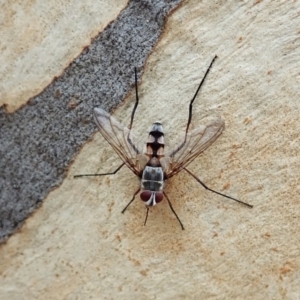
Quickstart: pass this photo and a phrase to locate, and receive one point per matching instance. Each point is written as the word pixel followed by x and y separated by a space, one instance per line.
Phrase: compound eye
pixel 159 197
pixel 145 195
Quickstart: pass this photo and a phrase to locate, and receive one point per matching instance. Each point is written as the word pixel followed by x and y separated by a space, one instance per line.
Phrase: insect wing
pixel 121 139
pixel 197 141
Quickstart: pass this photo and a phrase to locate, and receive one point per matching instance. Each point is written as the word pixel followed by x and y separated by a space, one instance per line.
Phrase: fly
pixel 150 163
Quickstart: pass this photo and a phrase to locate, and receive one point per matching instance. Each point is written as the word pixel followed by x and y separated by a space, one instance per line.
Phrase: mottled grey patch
pixel 38 142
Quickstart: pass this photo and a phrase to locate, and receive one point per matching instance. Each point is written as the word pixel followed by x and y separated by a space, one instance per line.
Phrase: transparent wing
pixel 126 146
pixel 196 142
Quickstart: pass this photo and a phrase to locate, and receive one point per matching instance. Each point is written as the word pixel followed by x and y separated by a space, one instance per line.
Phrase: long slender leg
pixel 207 188
pixel 131 200
pixel 133 113
pixel 136 100
pixel 146 215
pixel 191 108
pixel 103 174
pixel 192 101
pixel 173 210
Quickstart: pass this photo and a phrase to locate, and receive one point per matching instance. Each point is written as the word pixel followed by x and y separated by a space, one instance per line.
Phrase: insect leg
pixel 207 188
pixel 131 200
pixel 173 210
pixel 146 215
pixel 192 101
pixel 191 108
pixel 136 100
pixel 103 174
pixel 133 113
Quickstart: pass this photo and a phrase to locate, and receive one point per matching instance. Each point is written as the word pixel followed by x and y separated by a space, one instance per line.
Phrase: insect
pixel 150 163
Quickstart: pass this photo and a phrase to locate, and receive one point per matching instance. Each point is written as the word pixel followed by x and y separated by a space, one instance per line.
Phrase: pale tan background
pixel 79 245
pixel 38 43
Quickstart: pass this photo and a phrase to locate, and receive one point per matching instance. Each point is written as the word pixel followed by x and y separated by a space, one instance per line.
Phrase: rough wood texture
pixel 79 245
pixel 40 38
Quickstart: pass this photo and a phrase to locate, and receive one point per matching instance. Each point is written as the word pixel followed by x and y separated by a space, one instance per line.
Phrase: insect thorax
pixel 152 179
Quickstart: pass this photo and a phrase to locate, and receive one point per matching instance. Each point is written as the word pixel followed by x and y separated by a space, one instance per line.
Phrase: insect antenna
pixel 102 174
pixel 173 211
pixel 207 188
pixel 192 101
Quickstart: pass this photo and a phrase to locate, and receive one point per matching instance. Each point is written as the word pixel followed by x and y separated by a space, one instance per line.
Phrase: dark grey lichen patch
pixel 39 141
